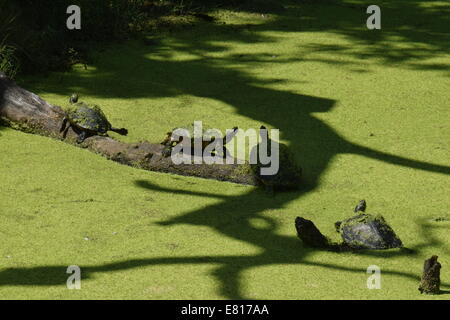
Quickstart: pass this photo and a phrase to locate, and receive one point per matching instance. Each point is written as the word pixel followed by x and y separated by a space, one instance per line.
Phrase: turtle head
pixel 73 98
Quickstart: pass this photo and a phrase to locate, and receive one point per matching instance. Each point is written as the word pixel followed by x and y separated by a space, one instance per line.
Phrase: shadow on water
pixel 276 250
pixel 231 218
pixel 3 124
pixel 158 76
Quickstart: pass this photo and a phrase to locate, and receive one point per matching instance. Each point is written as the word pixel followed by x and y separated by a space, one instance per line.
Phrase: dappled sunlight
pixel 314 72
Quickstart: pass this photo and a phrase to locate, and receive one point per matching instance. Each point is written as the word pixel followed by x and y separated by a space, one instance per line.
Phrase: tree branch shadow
pixel 229 218
pixel 158 76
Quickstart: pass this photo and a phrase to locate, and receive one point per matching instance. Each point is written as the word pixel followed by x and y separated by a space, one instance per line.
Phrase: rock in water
pixel 366 231
pixel 430 282
pixel 309 234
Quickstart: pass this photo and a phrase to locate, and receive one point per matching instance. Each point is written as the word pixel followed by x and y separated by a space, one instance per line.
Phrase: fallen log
pixel 26 111
pixel 310 235
pixel 431 281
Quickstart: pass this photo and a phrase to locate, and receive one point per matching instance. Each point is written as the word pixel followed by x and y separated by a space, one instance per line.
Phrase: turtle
pixel 206 138
pixel 86 120
pixel 367 231
pixel 289 173
pixel 361 206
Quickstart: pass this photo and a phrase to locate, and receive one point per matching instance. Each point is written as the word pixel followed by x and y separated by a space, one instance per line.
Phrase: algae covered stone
pixel 366 231
pixel 431 281
pixel 288 176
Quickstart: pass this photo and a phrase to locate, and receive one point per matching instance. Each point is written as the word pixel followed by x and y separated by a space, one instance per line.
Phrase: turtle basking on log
pixel 204 139
pixel 87 120
pixel 367 231
pixel 363 231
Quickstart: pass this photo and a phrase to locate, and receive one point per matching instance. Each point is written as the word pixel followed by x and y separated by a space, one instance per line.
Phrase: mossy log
pixel 28 112
pixel 310 235
pixel 431 281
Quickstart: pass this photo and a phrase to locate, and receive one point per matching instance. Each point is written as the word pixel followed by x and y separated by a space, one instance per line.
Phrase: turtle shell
pixel 288 175
pixel 88 117
pixel 366 231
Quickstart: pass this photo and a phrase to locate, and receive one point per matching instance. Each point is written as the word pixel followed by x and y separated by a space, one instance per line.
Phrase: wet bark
pixel 26 111
pixel 310 235
pixel 431 281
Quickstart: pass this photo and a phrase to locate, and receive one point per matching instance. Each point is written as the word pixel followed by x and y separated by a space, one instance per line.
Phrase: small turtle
pixel 288 175
pixel 205 140
pixel 366 231
pixel 87 120
pixel 361 206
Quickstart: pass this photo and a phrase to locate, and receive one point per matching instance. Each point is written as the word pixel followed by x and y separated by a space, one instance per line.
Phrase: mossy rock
pixel 366 231
pixel 289 173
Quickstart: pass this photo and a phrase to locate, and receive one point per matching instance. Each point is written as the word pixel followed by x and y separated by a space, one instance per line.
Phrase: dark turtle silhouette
pixel 366 231
pixel 87 120
pixel 289 173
